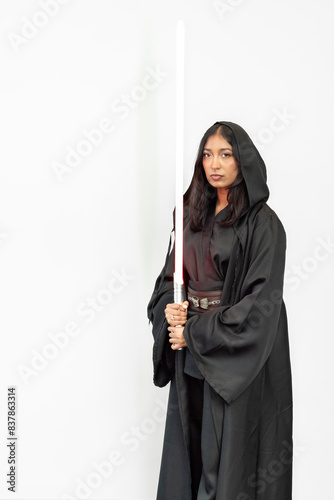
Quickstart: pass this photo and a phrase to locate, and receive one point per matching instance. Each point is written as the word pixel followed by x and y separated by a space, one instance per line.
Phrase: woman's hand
pixel 176 337
pixel 176 314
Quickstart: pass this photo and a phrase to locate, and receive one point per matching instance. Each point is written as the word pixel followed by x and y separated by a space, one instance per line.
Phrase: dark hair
pixel 200 192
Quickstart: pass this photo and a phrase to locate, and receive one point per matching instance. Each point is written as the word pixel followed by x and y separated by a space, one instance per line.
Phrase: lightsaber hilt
pixel 179 297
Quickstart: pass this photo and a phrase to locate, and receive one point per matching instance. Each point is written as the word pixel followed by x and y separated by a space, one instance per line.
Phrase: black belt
pixel 200 301
pixel 203 299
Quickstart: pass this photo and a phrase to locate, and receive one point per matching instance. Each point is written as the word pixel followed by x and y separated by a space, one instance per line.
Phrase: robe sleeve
pixel 231 343
pixel 163 294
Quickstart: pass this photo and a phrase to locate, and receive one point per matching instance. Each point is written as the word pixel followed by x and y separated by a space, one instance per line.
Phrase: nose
pixel 215 162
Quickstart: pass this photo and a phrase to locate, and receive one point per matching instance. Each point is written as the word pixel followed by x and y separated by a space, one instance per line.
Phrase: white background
pixel 63 237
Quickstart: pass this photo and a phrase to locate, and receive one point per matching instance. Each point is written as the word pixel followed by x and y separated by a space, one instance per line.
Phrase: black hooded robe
pixel 241 348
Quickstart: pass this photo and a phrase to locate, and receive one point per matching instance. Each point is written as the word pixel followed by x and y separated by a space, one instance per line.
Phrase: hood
pixel 253 167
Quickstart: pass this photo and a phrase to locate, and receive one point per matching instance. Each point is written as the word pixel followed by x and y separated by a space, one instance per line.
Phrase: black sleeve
pixel 163 294
pixel 231 343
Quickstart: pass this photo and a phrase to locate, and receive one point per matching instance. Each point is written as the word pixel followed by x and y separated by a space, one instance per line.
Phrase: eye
pixel 206 155
pixel 226 155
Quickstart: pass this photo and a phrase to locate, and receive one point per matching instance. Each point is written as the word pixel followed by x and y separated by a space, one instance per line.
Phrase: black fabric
pixel 195 394
pixel 241 349
pixel 190 366
pixel 205 258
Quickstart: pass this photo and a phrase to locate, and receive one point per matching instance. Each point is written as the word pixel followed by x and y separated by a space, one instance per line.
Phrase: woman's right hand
pixel 176 314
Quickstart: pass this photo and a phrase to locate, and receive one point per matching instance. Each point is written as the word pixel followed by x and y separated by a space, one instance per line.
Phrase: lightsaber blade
pixel 178 270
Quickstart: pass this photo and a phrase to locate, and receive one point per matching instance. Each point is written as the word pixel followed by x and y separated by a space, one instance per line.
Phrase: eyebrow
pixel 221 149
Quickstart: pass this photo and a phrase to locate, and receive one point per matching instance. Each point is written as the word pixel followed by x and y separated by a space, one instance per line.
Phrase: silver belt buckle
pixel 194 300
pixel 203 303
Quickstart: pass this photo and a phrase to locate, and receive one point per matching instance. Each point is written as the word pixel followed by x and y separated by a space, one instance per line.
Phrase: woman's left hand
pixel 176 337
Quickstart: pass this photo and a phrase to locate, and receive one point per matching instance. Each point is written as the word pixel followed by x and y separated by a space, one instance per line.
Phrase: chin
pixel 218 184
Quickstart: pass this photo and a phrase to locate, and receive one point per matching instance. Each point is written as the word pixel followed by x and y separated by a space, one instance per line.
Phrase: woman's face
pixel 219 164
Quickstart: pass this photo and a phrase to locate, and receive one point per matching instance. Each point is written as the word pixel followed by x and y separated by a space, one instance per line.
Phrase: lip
pixel 216 177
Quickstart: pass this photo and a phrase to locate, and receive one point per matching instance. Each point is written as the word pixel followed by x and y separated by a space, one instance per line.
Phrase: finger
pixel 170 308
pixel 175 330
pixel 173 338
pixel 175 306
pixel 171 333
pixel 173 316
pixel 176 319
pixel 176 310
pixel 177 313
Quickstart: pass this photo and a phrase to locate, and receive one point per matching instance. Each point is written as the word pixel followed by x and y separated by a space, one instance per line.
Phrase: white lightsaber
pixel 178 270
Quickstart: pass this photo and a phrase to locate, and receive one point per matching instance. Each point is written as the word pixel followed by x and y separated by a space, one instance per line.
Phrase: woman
pixel 228 432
